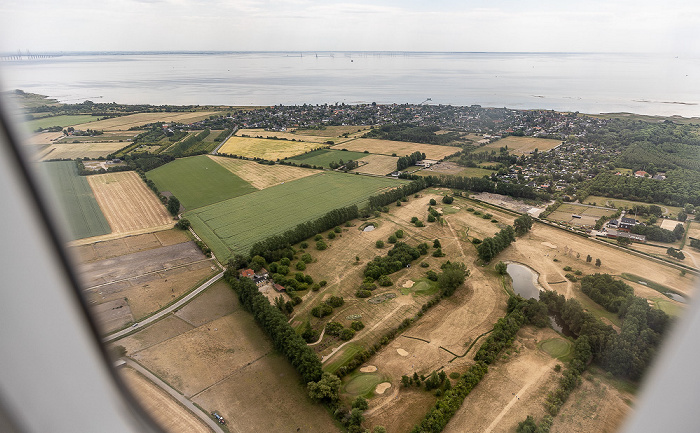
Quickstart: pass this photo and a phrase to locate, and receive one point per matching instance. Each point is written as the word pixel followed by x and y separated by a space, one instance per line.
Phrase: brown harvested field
pixel 523 145
pixel 259 175
pixel 513 388
pixel 44 138
pixel 127 203
pixel 166 411
pixel 668 224
pixel 125 122
pixel 267 149
pixel 305 135
pixel 377 164
pixel 595 406
pixel 400 148
pixel 79 150
pixel 146 271
pixel 213 352
pixel 589 215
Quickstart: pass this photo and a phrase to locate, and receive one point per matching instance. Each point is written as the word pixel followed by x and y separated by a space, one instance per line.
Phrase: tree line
pixel 678 188
pixel 412 133
pixel 406 161
pixel 274 324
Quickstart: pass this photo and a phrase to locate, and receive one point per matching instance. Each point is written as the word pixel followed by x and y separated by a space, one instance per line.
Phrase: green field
pixel 65 120
pixel 323 157
pixel 556 347
pixel 74 195
pixel 235 225
pixel 363 384
pixel 198 181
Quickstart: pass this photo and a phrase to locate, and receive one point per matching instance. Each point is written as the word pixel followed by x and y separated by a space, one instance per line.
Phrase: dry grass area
pixel 523 145
pixel 377 164
pixel 215 354
pixel 127 203
pixel 595 406
pixel 259 175
pixel 335 131
pixel 126 245
pixel 516 386
pixel 76 150
pixel 125 122
pixel 166 411
pixel 44 138
pixel 400 148
pixel 669 224
pixel 267 149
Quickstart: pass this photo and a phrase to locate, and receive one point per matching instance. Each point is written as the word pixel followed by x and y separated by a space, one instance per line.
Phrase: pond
pixel 525 284
pixel 676 297
pixel 524 280
pixel 369 228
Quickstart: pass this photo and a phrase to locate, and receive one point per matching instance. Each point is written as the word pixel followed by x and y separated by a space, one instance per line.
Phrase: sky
pixel 380 25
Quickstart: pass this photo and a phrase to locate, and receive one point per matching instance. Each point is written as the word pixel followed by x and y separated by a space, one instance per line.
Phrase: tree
pixel 392 239
pixel 173 205
pixel 447 199
pixel 300 265
pixel 501 268
pixel 379 244
pixel 522 224
pixel 597 262
pixel 436 243
pixel 432 202
pixel 453 276
pixel 682 216
pixel 589 258
pixel 360 403
pixel 183 224
pixel 257 263
pixel 623 241
pixel 320 245
pixel 325 389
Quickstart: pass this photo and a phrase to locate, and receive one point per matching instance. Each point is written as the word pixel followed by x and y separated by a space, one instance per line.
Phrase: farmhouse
pixel 248 273
pixel 279 288
pixel 641 173
pixel 613 223
pixel 627 223
pixel 426 163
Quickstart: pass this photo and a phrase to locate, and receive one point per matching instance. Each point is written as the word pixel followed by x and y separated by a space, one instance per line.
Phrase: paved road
pixel 163 312
pixel 177 396
pixel 216 151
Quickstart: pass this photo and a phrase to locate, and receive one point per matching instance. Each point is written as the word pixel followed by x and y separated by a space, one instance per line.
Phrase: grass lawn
pixel 236 224
pixel 556 347
pixel 198 181
pixel 64 120
pixel 523 145
pixel 323 157
pixel 345 355
pixel 363 384
pixel 82 213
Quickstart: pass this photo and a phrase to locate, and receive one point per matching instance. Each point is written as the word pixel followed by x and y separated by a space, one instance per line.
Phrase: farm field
pixel 615 202
pixel 198 181
pixel 109 136
pixel 380 165
pixel 262 176
pixel 589 215
pixel 123 123
pixel 127 279
pixel 63 120
pixel 266 149
pixel 400 148
pixel 523 145
pixel 227 226
pixel 127 203
pixel 167 412
pixel 323 157
pixel 77 201
pixel 447 167
pixel 79 150
pixel 213 352
pixel 335 131
pixel 309 135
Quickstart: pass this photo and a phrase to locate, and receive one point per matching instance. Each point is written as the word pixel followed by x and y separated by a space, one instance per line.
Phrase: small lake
pixel 676 297
pixel 524 280
pixel 369 228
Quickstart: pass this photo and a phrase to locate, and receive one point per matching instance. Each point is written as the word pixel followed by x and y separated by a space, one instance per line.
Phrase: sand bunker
pixel 401 352
pixel 549 244
pixel 382 387
pixel 408 284
pixel 368 369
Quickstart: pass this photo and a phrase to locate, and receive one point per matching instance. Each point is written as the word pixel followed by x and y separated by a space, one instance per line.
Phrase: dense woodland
pixel 412 133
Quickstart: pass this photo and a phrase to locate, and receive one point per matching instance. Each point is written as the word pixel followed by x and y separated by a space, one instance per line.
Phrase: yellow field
pixel 127 203
pixel 259 175
pixel 140 119
pixel 266 149
pixel 289 135
pixel 377 164
pixel 79 150
pixel 400 148
pixel 523 145
pixel 335 131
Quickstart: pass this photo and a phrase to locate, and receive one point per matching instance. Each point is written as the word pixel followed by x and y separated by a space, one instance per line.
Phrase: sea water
pixel 584 82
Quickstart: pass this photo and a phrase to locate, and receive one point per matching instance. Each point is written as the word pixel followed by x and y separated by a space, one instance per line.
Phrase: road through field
pixel 165 311
pixel 179 397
